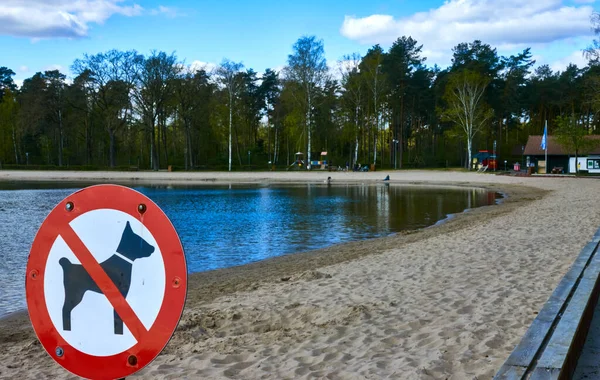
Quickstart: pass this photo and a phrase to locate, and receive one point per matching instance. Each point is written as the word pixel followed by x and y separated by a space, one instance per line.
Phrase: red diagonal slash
pixel 108 288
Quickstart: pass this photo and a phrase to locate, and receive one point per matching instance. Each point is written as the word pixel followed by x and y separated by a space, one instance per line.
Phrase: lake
pixel 224 226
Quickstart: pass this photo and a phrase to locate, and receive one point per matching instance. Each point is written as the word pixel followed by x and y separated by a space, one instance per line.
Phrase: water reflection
pixel 228 225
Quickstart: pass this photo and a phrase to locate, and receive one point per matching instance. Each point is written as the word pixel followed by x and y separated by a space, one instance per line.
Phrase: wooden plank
pixel 533 345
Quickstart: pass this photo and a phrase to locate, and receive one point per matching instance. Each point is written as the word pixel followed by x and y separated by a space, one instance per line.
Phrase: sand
pixel 446 302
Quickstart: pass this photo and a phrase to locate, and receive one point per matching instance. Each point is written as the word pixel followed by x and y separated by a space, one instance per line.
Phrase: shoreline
pixel 209 293
pixel 22 313
pixel 226 178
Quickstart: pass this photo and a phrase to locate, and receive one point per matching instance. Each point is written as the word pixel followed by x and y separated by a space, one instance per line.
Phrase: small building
pixel 484 158
pixel 559 160
pixel 590 164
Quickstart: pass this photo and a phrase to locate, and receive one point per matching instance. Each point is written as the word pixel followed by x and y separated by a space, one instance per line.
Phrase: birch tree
pixel 592 52
pixel 308 67
pixel 372 66
pixel 466 106
pixel 228 77
pixel 270 90
pixel 352 82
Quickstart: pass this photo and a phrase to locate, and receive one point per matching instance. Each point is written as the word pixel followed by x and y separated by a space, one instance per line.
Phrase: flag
pixel 544 137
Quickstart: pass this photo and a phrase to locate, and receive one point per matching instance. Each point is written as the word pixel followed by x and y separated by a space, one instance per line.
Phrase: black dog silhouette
pixel 77 281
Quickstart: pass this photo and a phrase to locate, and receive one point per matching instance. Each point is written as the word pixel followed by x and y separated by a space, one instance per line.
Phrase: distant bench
pixel 558 170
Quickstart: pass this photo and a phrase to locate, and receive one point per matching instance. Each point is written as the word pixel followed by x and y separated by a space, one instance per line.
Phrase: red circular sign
pixel 90 276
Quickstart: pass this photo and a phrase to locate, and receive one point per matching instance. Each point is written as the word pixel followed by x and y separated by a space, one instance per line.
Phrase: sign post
pixel 106 282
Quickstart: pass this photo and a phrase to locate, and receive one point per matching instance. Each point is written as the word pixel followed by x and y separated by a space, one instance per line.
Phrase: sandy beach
pixel 447 302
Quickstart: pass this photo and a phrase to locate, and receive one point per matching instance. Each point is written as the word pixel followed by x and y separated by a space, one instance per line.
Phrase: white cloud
pixel 337 69
pixel 279 69
pixel 576 58
pixel 167 11
pixel 209 67
pixel 54 67
pixel 23 69
pixel 506 24
pixel 59 18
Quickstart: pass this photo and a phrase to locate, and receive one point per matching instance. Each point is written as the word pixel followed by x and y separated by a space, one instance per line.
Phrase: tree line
pixel 124 109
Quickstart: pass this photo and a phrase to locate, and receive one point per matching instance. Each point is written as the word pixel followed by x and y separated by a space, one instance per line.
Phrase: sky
pixel 38 35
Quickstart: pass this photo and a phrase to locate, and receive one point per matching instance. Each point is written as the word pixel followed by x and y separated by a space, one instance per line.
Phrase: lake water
pixel 224 226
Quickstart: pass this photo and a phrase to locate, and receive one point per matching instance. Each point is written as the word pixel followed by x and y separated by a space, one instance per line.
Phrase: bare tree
pixel 155 77
pixel 227 73
pixel 308 67
pixel 592 52
pixel 352 81
pixel 112 74
pixel 466 107
pixel 372 67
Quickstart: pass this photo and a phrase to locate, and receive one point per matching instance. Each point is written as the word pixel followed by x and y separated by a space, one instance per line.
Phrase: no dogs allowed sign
pixel 106 282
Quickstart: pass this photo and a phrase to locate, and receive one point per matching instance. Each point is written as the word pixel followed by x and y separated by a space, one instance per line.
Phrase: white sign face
pixel 130 256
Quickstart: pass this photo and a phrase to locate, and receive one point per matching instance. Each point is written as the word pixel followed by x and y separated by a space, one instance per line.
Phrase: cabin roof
pixel 533 147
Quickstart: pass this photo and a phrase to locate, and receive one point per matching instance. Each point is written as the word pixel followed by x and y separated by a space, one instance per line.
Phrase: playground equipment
pixel 484 160
pixel 322 162
pixel 298 163
pixel 323 159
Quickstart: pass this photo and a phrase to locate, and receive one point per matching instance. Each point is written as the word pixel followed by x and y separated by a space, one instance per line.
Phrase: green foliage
pixel 573 136
pixel 465 101
pixel 124 109
pixel 466 107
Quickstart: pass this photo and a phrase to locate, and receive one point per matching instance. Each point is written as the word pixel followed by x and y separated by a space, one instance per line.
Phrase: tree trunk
pixel 308 129
pixel 376 115
pixel 111 134
pixel 88 141
pixel 163 123
pixel 189 146
pixel 375 144
pixel 153 151
pixel 275 149
pixel 401 136
pixel 230 123
pixel 270 159
pixel 237 145
pixel 186 153
pixel 14 139
pixel 469 153
pixel 157 140
pixel 60 139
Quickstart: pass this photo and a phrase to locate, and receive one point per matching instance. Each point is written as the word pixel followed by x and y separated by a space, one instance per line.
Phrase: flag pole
pixel 546 150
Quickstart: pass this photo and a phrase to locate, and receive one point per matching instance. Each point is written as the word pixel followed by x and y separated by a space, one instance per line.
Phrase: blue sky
pixel 47 34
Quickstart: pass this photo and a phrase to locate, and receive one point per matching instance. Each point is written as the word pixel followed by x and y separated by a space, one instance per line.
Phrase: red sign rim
pixel 143 352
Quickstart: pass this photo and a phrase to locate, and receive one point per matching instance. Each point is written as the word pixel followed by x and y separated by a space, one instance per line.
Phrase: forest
pixel 126 110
